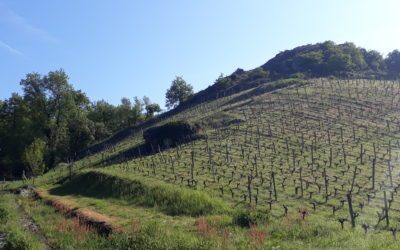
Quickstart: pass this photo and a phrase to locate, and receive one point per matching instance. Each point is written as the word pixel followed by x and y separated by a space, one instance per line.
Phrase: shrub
pixel 3 215
pixel 257 237
pixel 171 134
pixel 17 241
pixel 204 229
pixel 219 119
pixel 247 218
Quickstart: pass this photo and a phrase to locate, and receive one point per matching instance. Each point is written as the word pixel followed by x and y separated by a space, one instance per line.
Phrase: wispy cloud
pixel 20 23
pixel 10 49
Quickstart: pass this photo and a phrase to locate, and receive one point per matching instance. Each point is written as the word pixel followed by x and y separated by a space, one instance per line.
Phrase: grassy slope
pixel 280 132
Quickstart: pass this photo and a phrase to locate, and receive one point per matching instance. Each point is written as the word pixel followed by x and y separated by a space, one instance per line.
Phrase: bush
pixel 17 241
pixel 3 215
pixel 171 134
pixel 247 218
pixel 219 119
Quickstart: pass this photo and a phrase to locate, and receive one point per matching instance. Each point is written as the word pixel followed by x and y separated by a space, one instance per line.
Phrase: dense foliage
pixel 34 156
pixel 51 121
pixel 179 92
pixel 170 134
pixel 330 59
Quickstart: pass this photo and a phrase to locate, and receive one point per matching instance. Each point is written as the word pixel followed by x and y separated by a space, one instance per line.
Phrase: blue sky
pixel 125 48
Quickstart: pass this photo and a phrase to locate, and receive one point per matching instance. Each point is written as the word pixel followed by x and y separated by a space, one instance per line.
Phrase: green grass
pixel 68 233
pixel 287 232
pixel 168 198
pixel 156 231
pixel 12 223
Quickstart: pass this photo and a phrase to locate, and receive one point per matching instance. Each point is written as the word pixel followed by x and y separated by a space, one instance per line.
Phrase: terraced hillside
pixel 289 164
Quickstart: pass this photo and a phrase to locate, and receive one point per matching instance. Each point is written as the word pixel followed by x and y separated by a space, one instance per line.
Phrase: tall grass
pixel 170 199
pixel 12 223
pixel 64 233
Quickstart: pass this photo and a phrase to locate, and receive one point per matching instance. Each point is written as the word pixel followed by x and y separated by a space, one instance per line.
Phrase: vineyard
pixel 326 145
pixel 322 150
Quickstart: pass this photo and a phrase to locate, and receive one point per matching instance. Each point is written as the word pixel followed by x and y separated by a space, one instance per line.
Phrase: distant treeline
pixel 51 121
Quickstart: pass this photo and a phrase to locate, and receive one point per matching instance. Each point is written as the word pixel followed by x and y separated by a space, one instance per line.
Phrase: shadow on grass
pixel 141 151
pixel 168 199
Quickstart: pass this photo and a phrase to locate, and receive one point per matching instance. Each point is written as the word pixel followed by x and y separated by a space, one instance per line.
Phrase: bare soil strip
pixel 100 222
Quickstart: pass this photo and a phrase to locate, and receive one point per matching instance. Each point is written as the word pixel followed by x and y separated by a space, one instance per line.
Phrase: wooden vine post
pixel 386 209
pixel 352 214
pixel 273 183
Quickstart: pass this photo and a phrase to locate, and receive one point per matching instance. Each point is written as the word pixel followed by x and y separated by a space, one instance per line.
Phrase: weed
pixel 257 236
pixel 204 229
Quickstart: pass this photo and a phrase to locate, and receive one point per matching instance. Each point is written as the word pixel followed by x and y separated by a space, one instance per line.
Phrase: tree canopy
pixel 51 121
pixel 393 64
pixel 328 58
pixel 179 92
pixel 34 156
pixel 151 109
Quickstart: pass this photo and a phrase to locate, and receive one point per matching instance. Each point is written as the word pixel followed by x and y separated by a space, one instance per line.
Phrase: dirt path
pixel 30 224
pixel 27 222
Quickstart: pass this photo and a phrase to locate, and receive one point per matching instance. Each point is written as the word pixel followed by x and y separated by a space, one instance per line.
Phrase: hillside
pixel 325 59
pixel 287 163
pixel 302 152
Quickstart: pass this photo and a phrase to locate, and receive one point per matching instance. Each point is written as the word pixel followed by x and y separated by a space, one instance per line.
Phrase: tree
pixel 222 82
pixel 61 103
pixel 137 109
pixel 339 61
pixel 81 132
pixel 151 109
pixel 35 98
pixel 357 58
pixel 125 112
pixel 15 134
pixel 374 60
pixel 311 61
pixel 179 92
pixel 104 116
pixel 51 109
pixel 393 64
pixel 146 100
pixel 34 156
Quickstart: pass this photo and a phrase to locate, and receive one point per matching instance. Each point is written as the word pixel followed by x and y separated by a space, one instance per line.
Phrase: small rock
pixel 26 192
